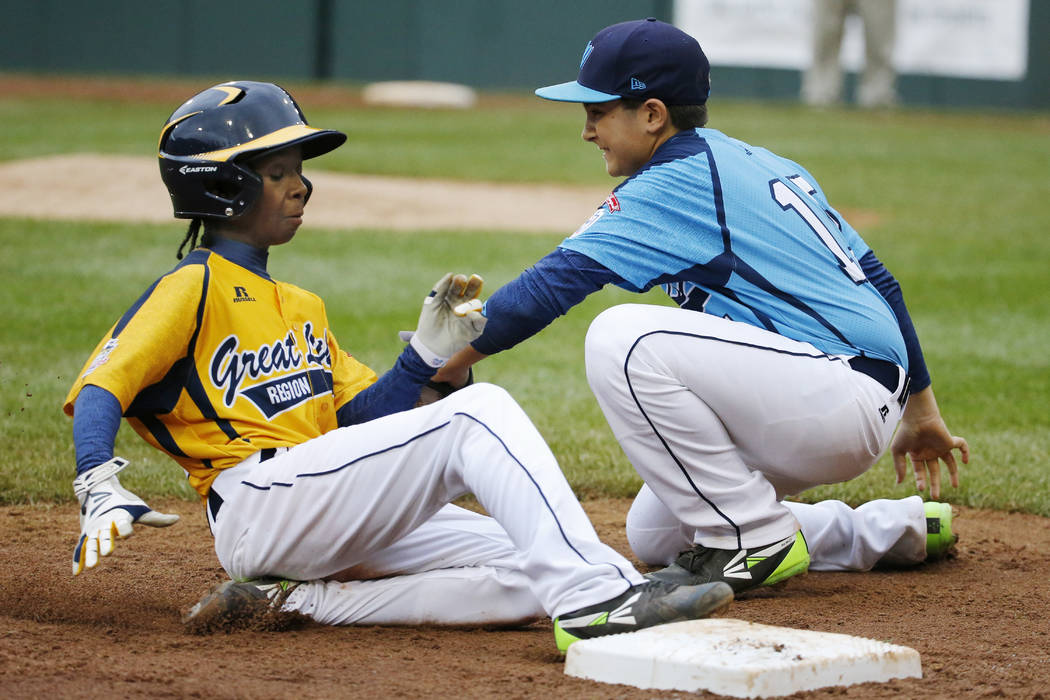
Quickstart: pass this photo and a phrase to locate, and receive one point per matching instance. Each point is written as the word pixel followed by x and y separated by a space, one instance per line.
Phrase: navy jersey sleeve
pixel 523 307
pixel 397 390
pixel 888 287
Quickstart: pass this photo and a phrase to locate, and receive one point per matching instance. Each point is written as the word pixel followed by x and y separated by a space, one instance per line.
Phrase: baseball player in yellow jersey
pixel 325 490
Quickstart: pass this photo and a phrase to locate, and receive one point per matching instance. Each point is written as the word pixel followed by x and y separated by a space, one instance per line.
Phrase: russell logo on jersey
pixel 241 294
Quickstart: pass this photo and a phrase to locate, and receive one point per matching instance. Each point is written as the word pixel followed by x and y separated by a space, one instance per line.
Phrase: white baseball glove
pixel 450 319
pixel 107 511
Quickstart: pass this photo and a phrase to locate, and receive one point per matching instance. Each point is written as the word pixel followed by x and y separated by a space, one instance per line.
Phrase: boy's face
pixel 621 134
pixel 278 213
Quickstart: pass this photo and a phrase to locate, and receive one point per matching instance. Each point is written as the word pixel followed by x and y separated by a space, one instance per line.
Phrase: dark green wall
pixel 477 42
pixel 134 37
pixel 484 43
pixel 495 44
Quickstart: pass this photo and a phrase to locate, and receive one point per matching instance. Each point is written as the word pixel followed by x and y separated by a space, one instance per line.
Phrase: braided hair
pixel 191 237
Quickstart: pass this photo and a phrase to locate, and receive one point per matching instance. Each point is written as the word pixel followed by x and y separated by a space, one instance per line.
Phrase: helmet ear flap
pixel 309 188
pixel 235 190
pixel 213 190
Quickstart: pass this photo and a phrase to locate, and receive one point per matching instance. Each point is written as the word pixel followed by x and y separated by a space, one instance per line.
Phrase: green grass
pixel 957 208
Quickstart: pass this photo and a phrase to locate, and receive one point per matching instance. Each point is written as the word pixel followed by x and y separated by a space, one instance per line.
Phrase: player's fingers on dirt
pixel 900 464
pixel 104 537
pixel 80 555
pixel 934 468
pixel 118 527
pixel 92 546
pixel 919 467
pixel 953 468
pixel 91 552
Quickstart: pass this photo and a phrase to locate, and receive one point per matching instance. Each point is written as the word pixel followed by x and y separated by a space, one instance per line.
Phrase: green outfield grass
pixel 955 204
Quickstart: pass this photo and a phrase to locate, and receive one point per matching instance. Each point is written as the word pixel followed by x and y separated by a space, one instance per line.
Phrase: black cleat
pixel 742 569
pixel 645 605
pixel 233 604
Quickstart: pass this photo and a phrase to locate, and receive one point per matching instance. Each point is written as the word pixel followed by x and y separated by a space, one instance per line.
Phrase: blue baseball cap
pixel 640 59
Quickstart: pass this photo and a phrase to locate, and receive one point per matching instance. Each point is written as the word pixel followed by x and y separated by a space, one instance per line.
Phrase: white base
pixel 419 93
pixel 737 658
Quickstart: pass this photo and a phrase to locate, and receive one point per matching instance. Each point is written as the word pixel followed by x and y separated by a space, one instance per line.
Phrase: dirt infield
pixel 83 187
pixel 978 622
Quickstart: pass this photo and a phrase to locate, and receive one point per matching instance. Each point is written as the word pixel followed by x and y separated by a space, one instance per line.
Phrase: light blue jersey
pixel 737 231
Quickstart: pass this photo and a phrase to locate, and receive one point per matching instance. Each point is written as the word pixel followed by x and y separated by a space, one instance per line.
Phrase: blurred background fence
pixel 949 52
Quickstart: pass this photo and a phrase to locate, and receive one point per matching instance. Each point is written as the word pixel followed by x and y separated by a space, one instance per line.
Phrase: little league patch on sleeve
pixel 102 357
pixel 610 205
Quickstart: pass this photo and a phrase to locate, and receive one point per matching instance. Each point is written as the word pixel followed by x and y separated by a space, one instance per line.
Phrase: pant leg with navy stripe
pixel 341 502
pixel 722 419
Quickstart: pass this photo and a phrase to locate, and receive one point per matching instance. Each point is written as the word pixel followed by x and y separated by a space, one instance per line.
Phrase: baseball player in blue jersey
pixel 326 492
pixel 789 362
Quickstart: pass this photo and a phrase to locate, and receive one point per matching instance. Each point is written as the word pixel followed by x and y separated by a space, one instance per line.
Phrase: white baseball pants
pixel 840 538
pixel 370 501
pixel 722 420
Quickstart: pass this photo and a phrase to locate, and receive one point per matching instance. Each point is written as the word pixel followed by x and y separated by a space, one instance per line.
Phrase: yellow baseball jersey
pixel 217 361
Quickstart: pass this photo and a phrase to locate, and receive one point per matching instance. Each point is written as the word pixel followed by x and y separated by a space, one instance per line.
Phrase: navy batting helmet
pixel 203 140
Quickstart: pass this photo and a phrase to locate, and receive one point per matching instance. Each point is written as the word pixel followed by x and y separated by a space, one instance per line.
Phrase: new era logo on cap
pixel 640 59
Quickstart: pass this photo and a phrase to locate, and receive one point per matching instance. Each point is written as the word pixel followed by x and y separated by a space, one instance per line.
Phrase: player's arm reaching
pixel 525 306
pixel 450 318
pixel 134 355
pixel 107 509
pixel 564 278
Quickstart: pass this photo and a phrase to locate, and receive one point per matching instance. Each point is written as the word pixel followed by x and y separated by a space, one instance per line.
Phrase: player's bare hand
pixel 457 371
pixel 451 317
pixel 924 439
pixel 107 511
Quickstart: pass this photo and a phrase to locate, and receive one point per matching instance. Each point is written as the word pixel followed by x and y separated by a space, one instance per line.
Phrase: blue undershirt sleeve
pixel 96 419
pixel 525 306
pixel 888 287
pixel 397 390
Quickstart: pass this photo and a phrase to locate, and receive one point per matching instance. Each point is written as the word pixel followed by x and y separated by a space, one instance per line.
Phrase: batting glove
pixel 107 511
pixel 450 319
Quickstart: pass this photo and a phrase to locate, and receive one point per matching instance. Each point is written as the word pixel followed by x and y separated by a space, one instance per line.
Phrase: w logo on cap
pixel 637 84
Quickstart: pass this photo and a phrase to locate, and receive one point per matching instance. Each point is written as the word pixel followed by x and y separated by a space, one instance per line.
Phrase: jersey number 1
pixel 787 198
